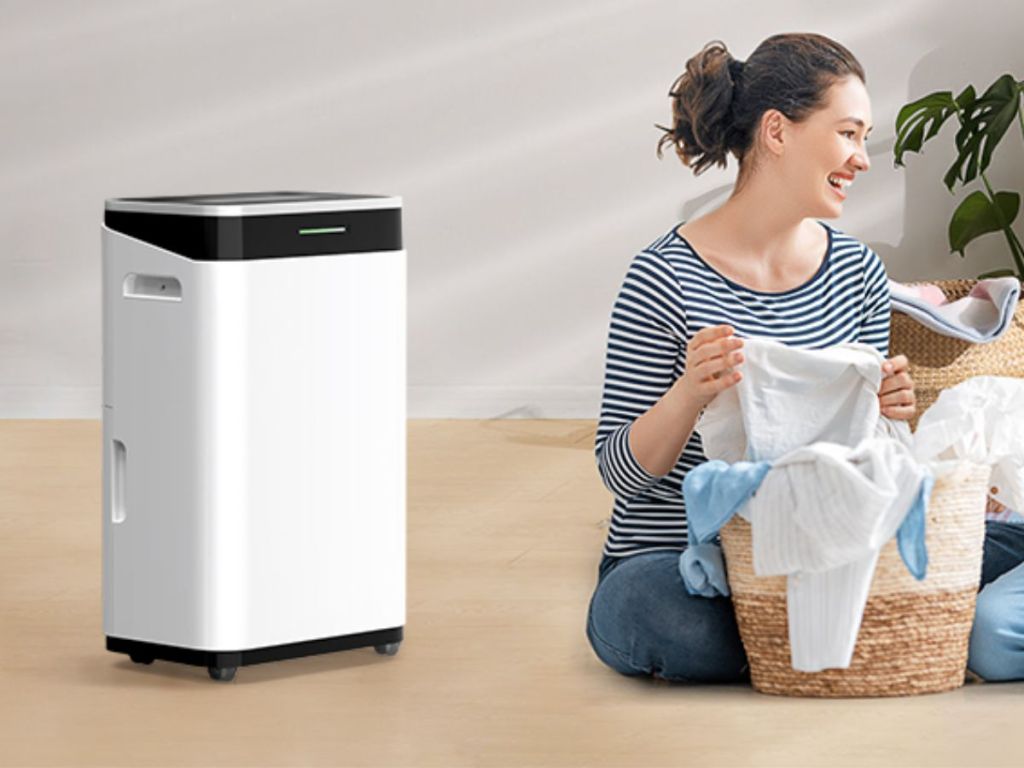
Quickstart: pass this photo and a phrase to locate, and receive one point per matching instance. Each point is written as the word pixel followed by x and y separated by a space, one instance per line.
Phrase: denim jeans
pixel 642 621
pixel 997 638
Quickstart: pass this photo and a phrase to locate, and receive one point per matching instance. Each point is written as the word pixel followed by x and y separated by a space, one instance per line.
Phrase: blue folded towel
pixel 715 490
pixel 703 570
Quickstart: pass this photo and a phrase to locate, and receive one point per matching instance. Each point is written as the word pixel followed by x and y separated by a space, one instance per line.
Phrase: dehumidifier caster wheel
pixel 388 649
pixel 140 658
pixel 224 674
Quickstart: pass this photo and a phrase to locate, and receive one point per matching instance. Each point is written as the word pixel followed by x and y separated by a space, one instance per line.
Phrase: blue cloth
pixel 703 570
pixel 910 536
pixel 716 490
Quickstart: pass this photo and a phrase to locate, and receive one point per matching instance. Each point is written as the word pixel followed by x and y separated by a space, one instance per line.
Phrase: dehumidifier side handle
pixel 118 465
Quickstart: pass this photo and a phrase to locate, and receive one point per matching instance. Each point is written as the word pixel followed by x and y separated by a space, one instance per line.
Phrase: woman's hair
pixel 717 103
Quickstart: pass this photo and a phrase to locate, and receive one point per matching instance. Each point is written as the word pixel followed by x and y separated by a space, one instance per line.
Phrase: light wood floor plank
pixel 506 522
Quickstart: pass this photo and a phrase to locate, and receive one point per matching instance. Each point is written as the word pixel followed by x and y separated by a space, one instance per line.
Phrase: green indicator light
pixel 321 230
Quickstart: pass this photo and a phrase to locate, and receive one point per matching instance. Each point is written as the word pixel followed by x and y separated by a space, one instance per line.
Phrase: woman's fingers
pixel 717 355
pixel 896 382
pixel 898 397
pixel 901 404
pixel 714 365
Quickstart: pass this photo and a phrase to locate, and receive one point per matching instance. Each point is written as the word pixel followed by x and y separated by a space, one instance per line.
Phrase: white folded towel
pixel 981 316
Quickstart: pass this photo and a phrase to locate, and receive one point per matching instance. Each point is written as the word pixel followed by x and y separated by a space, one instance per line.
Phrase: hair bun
pixel 702 105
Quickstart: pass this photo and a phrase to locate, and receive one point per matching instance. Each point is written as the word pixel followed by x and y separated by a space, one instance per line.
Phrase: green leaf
pixel 966 97
pixel 913 119
pixel 983 123
pixel 976 216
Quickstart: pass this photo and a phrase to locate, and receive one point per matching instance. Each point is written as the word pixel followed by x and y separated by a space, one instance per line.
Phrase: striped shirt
pixel 668 294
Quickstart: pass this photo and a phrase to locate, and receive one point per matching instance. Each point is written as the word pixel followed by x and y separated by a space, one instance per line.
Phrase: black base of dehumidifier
pixel 223 664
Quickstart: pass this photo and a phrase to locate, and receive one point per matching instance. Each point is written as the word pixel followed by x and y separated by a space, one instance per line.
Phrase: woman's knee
pixel 611 655
pixel 996 651
pixel 609 625
pixel 643 622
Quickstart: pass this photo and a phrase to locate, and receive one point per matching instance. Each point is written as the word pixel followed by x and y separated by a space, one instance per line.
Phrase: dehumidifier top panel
pixel 260 225
pixel 253 203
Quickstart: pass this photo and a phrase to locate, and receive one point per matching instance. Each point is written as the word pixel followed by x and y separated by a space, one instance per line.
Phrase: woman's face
pixel 830 143
pixel 834 143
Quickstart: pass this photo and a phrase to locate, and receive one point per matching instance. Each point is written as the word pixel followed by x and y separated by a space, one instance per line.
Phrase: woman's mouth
pixel 838 184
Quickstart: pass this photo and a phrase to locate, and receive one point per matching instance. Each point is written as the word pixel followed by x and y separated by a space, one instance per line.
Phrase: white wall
pixel 520 136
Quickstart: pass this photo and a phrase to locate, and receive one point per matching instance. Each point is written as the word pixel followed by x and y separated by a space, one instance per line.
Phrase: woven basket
pixel 938 362
pixel 914 634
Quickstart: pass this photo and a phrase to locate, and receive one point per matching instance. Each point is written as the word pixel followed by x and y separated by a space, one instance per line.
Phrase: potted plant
pixel 983 123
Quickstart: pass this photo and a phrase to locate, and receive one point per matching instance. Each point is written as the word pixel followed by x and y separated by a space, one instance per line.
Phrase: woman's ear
pixel 772 134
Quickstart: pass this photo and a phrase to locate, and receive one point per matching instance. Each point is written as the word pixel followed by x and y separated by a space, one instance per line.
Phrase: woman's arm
pixel 660 435
pixel 647 329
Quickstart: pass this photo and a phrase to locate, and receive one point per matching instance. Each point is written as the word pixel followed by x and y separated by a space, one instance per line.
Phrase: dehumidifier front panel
pixel 315 423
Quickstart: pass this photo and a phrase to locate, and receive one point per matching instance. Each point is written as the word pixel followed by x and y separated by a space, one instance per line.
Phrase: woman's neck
pixel 758 224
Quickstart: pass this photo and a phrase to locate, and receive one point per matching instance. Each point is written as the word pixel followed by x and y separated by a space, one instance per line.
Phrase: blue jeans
pixel 997 637
pixel 642 621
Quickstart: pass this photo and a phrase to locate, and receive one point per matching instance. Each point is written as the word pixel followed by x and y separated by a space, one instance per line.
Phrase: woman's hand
pixel 712 357
pixel 896 395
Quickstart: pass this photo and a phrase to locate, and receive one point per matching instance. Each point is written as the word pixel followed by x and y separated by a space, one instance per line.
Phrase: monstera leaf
pixel 913 119
pixel 977 216
pixel 984 123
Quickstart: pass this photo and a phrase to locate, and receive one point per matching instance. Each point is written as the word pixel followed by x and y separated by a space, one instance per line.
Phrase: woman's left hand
pixel 896 395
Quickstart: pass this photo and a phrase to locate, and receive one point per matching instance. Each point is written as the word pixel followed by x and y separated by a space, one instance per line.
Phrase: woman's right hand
pixel 711 356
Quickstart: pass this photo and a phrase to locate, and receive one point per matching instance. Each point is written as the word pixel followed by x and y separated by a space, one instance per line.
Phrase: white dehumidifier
pixel 254 443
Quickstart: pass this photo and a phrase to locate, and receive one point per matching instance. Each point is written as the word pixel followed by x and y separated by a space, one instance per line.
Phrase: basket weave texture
pixel 914 634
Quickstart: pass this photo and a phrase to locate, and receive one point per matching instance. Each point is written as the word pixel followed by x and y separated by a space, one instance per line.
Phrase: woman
pixel 796 116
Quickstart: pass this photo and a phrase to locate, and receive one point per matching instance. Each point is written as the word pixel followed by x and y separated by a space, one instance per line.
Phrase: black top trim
pixel 223 238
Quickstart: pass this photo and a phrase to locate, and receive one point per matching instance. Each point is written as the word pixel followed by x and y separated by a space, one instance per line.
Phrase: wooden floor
pixel 506 521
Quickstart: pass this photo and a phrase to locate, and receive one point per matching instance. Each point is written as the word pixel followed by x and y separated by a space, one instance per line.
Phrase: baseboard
pixel 423 402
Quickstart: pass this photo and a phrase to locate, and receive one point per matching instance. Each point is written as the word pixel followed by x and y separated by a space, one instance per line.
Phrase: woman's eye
pixel 854 133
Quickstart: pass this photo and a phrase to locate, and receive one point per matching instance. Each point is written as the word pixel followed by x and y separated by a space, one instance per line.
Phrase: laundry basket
pixel 914 634
pixel 938 362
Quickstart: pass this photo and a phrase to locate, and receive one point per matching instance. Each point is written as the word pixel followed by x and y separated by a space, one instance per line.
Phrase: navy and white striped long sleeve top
pixel 668 294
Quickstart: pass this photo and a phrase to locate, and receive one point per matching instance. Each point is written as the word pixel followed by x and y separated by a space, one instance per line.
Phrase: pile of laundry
pixel 982 316
pixel 799 448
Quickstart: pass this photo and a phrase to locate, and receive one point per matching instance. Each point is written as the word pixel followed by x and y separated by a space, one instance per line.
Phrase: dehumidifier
pixel 254 443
